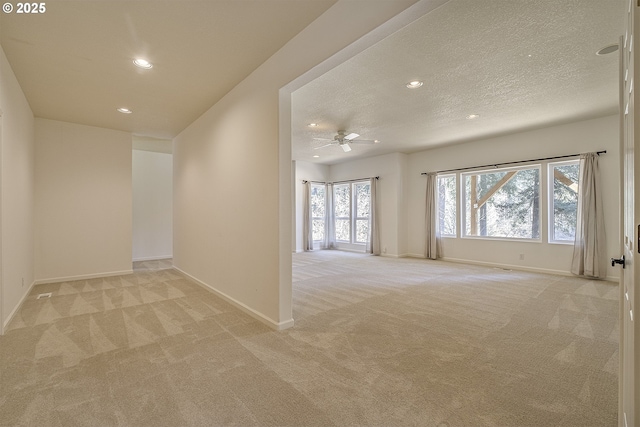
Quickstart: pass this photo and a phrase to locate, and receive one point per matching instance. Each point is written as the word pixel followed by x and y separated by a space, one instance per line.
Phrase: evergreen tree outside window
pixel 502 204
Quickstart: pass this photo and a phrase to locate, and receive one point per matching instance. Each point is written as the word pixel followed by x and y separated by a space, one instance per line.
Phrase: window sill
pixel 502 239
pixel 561 242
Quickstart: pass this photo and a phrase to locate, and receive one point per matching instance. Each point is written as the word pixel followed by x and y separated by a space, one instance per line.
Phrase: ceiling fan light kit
pixel 344 140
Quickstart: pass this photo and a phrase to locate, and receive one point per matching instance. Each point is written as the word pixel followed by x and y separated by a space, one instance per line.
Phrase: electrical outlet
pixel 23 282
pixel 521 257
pixel 384 250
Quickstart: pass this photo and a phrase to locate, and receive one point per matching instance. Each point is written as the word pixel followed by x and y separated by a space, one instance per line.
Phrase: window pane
pixel 565 201
pixel 318 229
pixel 342 195
pixel 343 231
pixel 362 230
pixel 317 201
pixel 447 205
pixel 503 204
pixel 363 198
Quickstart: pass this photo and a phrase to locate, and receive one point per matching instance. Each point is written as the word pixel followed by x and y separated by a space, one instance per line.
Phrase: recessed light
pixel 414 84
pixel 142 63
pixel 607 50
pixel 124 111
pixel 376 141
pixel 313 125
pixel 316 156
pixel 473 116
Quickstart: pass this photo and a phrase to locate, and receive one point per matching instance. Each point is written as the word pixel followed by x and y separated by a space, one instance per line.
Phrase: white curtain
pixel 330 220
pixel 590 243
pixel 432 247
pixel 307 219
pixel 373 240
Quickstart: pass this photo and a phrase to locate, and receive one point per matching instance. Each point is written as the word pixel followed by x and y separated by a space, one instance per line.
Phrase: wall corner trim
pixel 278 326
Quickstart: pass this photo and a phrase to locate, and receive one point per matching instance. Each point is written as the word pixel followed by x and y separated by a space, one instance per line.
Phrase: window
pixel 563 200
pixel 362 200
pixel 504 204
pixel 318 204
pixel 447 205
pixel 351 208
pixel 342 204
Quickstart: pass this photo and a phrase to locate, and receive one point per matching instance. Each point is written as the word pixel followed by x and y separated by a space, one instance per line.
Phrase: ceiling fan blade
pixel 322 146
pixel 351 136
pixel 363 141
pixel 345 147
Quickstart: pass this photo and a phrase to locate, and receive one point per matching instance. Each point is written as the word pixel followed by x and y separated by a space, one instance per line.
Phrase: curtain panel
pixel 330 228
pixel 589 247
pixel 373 239
pixel 433 244
pixel 307 219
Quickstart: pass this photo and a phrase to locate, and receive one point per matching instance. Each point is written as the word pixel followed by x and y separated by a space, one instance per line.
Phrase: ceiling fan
pixel 343 140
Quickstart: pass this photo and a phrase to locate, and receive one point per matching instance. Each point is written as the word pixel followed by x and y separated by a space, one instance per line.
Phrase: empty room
pixel 317 212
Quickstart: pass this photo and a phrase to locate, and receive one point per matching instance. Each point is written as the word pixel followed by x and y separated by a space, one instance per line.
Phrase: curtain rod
pixel 495 165
pixel 304 181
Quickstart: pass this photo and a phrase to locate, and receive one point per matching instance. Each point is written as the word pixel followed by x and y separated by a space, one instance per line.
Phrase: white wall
pixel 152 205
pixel 305 171
pixel 591 135
pixel 83 201
pixel 17 193
pixel 232 171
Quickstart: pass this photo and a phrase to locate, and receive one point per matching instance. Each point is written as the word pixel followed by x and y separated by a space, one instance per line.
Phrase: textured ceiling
pixel 518 64
pixel 74 62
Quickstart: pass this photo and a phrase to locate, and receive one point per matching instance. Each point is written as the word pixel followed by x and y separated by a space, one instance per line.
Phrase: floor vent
pixel 47 295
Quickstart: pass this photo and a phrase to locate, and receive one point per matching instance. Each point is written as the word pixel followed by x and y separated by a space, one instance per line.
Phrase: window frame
pixel 551 199
pixel 324 217
pixel 353 210
pixel 342 218
pixel 462 214
pixel 354 213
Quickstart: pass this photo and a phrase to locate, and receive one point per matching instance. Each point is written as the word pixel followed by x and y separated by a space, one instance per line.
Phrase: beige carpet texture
pixel 377 342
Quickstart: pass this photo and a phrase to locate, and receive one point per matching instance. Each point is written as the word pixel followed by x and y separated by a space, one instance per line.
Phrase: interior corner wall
pixel 305 171
pixel 83 201
pixel 579 137
pixel 152 205
pixel 232 171
pixel 391 189
pixel 17 193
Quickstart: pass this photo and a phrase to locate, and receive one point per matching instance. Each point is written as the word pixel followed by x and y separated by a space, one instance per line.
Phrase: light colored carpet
pixel 377 342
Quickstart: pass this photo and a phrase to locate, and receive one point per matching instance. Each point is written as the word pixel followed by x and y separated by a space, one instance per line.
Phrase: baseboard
pixel 521 268
pixel 16 308
pixel 279 326
pixel 153 258
pixel 416 256
pixel 393 255
pixel 512 267
pixel 83 277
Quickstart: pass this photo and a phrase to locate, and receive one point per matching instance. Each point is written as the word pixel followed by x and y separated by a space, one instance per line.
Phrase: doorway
pixel 152 188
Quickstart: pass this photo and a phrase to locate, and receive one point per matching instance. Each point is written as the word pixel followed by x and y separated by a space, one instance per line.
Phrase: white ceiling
pixel 518 64
pixel 74 62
